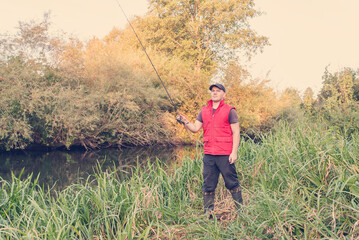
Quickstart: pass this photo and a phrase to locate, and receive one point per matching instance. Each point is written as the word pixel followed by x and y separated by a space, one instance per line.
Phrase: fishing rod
pixel 158 75
pixel 144 49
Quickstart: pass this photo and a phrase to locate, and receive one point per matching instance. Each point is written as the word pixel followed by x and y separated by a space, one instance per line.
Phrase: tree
pixel 25 58
pixel 196 38
pixel 205 32
pixel 308 99
pixel 338 100
pixel 32 43
pixel 254 100
pixel 338 87
pixel 356 86
pixel 290 97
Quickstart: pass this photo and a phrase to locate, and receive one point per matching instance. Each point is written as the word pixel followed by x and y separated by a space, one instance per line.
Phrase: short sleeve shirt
pixel 232 116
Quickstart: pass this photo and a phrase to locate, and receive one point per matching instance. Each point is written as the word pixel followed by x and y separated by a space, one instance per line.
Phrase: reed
pixel 300 182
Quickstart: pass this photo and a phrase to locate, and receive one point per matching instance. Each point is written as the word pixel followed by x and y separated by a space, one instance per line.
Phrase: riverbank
pixel 300 182
pixel 61 168
pixel 76 145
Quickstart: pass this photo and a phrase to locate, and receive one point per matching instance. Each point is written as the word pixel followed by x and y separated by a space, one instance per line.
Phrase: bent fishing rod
pixel 158 75
pixel 144 49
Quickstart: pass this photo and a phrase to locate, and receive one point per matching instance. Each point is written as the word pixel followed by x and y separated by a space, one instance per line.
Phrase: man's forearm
pixel 236 139
pixel 190 126
pixel 193 127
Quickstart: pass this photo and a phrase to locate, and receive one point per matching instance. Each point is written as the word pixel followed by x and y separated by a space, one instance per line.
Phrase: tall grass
pixel 300 182
pixel 303 182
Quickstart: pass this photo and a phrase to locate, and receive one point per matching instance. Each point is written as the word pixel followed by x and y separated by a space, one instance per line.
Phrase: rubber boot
pixel 208 203
pixel 237 197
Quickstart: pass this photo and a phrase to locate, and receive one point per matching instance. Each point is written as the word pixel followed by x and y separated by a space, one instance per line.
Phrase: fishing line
pixel 144 49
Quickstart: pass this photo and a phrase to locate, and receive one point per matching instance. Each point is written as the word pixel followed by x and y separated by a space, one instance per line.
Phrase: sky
pixel 306 36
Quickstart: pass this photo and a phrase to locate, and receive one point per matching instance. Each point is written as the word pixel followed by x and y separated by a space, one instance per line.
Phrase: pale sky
pixel 305 35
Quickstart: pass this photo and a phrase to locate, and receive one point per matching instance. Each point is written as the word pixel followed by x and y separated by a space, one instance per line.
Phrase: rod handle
pixel 184 125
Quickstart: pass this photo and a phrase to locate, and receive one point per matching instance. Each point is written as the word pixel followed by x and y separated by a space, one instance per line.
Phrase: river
pixel 58 169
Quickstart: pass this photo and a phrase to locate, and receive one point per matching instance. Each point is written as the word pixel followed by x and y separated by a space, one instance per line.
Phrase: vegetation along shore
pixel 301 182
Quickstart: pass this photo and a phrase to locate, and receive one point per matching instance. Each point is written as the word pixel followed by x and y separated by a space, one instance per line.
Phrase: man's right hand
pixel 181 119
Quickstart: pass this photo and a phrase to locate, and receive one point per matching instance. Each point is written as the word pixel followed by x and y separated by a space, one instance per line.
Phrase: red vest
pixel 217 131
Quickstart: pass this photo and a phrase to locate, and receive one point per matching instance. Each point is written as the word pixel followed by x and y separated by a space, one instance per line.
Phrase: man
pixel 221 140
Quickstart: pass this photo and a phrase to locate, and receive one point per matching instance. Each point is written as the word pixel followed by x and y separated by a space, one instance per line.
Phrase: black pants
pixel 212 166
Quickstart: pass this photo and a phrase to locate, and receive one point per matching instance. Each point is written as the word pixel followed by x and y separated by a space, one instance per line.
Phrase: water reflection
pixel 61 168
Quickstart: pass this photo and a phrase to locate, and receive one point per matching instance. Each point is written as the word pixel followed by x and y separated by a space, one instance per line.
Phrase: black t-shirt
pixel 232 116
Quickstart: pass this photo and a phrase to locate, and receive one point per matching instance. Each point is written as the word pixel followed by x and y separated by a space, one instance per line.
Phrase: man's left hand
pixel 232 158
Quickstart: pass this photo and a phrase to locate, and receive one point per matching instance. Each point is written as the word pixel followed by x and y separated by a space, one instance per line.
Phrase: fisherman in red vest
pixel 221 140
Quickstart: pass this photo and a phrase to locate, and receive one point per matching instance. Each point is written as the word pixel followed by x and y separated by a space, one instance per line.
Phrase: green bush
pixel 44 109
pixel 342 118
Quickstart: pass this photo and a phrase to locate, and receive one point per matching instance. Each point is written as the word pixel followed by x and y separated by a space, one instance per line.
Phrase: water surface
pixel 59 169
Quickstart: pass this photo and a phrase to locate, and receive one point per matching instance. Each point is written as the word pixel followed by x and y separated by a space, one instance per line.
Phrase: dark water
pixel 59 169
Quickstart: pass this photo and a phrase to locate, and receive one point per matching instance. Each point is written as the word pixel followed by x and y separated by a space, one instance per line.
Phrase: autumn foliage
pixel 61 92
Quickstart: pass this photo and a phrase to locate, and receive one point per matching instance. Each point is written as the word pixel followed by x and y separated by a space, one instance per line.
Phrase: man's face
pixel 217 94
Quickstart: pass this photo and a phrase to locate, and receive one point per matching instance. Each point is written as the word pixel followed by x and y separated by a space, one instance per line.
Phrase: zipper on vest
pixel 212 132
